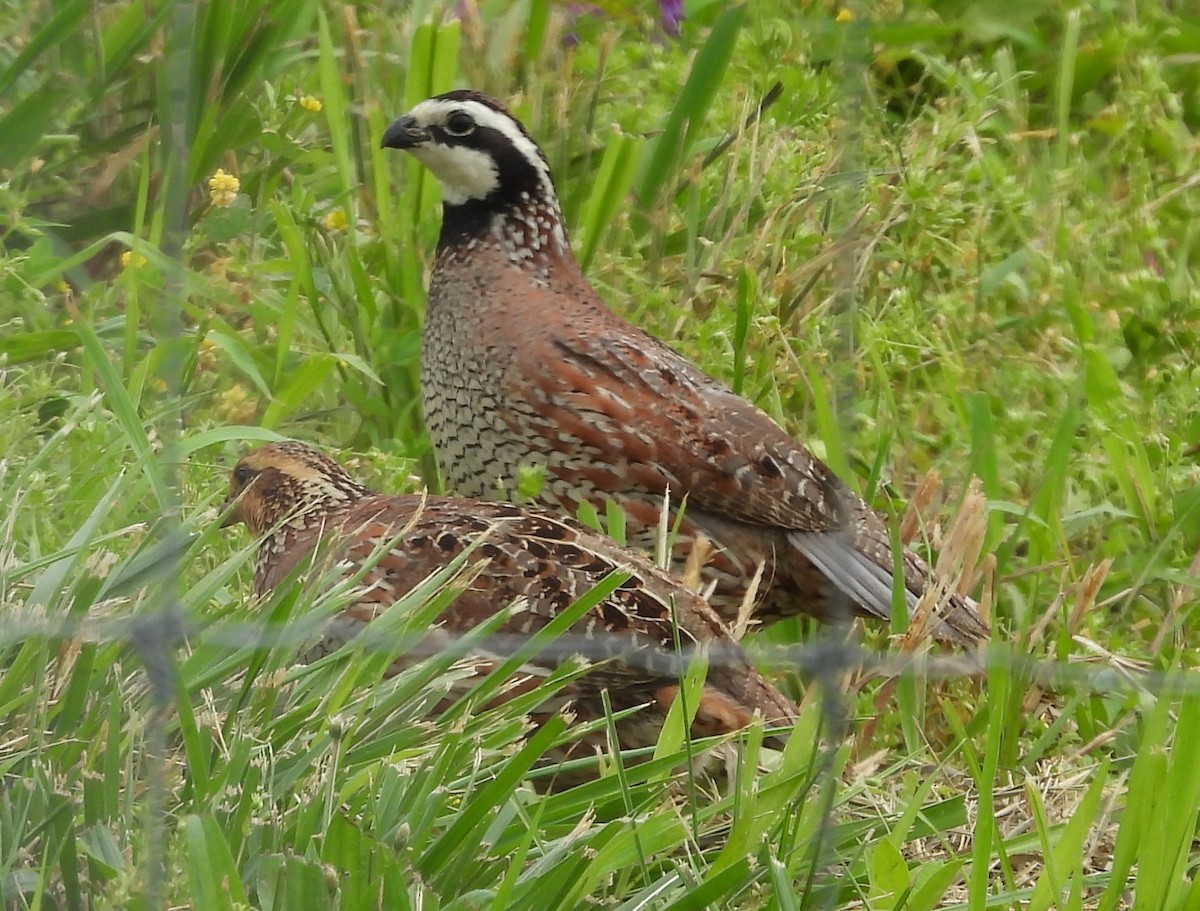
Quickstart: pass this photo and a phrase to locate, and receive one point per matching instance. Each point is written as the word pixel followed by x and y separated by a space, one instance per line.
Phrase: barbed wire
pixel 149 620
pixel 826 655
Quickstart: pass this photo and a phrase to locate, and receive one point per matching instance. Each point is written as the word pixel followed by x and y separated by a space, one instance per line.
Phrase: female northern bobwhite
pixel 524 367
pixel 298 498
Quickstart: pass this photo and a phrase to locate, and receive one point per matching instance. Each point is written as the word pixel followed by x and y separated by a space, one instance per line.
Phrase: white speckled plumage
pixel 297 498
pixel 524 367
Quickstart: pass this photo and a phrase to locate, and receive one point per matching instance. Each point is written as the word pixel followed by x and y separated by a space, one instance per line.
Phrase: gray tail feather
pixel 867 584
pixel 869 587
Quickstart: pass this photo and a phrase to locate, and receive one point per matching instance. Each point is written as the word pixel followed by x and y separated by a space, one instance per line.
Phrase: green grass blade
pixel 680 131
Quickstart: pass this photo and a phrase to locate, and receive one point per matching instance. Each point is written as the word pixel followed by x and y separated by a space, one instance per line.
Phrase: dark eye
pixel 243 475
pixel 459 124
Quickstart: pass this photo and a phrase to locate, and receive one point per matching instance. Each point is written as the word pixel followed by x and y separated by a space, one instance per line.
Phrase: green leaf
pixel 933 880
pixel 192 442
pixel 213 880
pixel 305 380
pixel 34 346
pixel 464 831
pixel 889 872
pixel 24 125
pixel 607 197
pixel 1063 861
pixel 239 353
pixel 99 845
pixel 679 133
pixel 67 19
pixel 127 415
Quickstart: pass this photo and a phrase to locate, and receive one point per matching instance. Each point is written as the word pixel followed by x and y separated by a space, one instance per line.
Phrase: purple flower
pixel 672 15
pixel 576 11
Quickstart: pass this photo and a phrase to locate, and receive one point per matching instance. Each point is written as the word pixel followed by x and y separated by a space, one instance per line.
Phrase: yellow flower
pixel 335 220
pixel 844 15
pixel 236 406
pixel 130 259
pixel 206 355
pixel 309 103
pixel 223 188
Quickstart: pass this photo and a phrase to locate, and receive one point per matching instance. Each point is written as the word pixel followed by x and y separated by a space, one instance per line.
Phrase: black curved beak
pixel 230 514
pixel 405 133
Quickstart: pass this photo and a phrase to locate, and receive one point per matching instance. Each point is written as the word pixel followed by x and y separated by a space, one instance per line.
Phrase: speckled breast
pixel 461 382
pixel 485 436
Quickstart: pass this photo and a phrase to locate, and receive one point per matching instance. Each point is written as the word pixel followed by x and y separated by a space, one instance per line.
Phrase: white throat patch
pixel 464 174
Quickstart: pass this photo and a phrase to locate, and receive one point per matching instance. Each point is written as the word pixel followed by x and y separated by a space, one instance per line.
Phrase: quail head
pixel 533 564
pixel 524 367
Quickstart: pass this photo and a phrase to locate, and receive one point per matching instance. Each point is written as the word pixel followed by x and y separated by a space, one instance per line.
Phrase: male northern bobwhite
pixel 299 498
pixel 524 367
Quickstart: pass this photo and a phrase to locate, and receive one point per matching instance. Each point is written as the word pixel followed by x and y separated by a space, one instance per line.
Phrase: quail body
pixel 525 368
pixel 298 499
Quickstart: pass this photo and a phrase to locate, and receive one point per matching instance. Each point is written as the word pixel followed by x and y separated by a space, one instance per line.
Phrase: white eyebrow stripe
pixel 436 111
